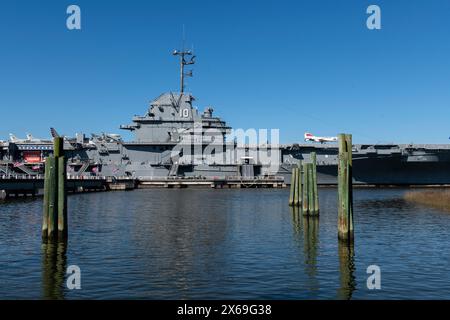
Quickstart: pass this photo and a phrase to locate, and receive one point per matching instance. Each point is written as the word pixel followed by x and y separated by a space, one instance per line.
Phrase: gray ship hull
pixel 400 165
pixel 384 171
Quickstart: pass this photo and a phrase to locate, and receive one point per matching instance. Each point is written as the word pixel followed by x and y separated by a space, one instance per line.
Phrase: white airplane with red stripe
pixel 313 138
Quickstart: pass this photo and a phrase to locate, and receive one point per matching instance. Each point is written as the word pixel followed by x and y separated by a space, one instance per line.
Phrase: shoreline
pixel 438 199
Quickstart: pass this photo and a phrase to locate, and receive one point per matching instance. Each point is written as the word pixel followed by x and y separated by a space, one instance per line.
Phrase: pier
pixel 32 185
pixel 216 183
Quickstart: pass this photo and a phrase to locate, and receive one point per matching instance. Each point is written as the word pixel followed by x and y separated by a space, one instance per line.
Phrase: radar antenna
pixel 183 62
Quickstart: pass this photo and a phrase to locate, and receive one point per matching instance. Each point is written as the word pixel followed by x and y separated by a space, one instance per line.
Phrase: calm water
pixel 230 244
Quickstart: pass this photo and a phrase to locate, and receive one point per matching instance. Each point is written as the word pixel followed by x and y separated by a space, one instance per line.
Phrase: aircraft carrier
pixel 174 140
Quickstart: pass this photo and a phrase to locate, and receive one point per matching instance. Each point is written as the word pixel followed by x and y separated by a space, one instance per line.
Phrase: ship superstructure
pixel 174 140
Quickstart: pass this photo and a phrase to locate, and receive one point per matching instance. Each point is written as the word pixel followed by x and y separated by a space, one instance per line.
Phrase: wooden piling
pixel 45 202
pixel 297 187
pixel 62 198
pixel 345 189
pixel 349 143
pixel 54 220
pixel 52 224
pixel 310 190
pixel 295 195
pixel 293 186
pixel 314 179
pixel 305 189
pixel 58 147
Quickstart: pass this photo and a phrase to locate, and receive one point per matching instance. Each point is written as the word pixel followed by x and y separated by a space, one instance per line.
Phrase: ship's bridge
pixel 172 115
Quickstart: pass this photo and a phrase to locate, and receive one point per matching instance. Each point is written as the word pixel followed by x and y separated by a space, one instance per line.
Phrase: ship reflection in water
pixel 240 244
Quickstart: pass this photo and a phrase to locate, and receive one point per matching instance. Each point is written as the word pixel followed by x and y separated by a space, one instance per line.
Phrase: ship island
pixel 176 144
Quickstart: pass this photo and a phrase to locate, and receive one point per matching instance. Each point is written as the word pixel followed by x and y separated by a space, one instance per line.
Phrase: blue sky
pixel 294 65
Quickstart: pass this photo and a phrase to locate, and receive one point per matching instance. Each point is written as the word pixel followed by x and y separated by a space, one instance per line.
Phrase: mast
pixel 183 62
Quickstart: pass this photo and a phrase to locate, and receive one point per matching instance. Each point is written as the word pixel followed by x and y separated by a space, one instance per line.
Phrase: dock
pixel 31 185
pixel 215 183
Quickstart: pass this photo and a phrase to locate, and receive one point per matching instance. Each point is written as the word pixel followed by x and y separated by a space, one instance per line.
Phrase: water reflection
pixel 311 239
pixel 346 270
pixel 245 244
pixel 54 262
pixel 382 204
pixel 308 227
pixel 296 220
